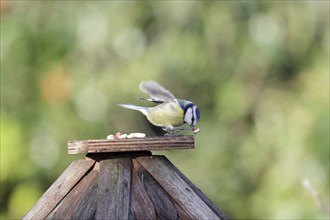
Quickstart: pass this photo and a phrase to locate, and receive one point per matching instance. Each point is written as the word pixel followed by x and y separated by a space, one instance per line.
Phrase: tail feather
pixel 143 110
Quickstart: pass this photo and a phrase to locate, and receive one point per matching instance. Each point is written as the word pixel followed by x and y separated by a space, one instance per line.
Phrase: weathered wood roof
pixel 123 185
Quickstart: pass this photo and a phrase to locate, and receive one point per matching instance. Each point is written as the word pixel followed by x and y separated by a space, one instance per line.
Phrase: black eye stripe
pixel 190 105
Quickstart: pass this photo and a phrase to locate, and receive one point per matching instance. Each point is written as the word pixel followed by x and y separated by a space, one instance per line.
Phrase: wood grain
pixel 140 201
pixel 136 144
pixel 74 198
pixel 162 202
pixel 182 214
pixel 87 207
pixel 214 208
pixel 59 189
pixel 114 189
pixel 177 188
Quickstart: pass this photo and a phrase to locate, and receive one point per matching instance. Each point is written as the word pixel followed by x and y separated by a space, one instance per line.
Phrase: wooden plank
pixel 136 144
pixel 140 201
pixel 182 213
pixel 87 208
pixel 162 202
pixel 59 189
pixel 74 198
pixel 177 188
pixel 214 208
pixel 114 189
pixel 131 215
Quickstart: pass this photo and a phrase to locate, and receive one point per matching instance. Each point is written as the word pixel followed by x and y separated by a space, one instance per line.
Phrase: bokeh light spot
pixel 130 43
pixel 91 104
pixel 56 86
pixel 92 32
pixel 266 30
pixel 44 151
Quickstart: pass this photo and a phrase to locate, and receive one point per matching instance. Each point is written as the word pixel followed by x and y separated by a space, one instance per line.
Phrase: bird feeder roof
pixel 124 185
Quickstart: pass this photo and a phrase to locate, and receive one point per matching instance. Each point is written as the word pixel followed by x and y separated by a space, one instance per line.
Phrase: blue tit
pixel 170 113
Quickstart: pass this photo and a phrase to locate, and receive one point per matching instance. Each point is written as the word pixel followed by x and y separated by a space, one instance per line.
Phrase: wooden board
pixel 136 144
pixel 59 189
pixel 124 185
pixel 177 188
pixel 140 201
pixel 161 201
pixel 207 201
pixel 114 189
pixel 74 198
pixel 87 208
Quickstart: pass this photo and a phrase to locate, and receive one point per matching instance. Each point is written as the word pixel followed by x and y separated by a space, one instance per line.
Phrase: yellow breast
pixel 166 114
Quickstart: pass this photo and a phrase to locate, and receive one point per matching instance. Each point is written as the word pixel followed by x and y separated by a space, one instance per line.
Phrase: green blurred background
pixel 258 70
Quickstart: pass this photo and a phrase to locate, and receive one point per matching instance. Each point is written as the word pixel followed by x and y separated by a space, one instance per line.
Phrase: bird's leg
pixel 173 131
pixel 168 130
pixel 178 129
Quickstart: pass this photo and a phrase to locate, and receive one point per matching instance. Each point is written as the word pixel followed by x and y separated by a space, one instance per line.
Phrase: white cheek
pixel 188 116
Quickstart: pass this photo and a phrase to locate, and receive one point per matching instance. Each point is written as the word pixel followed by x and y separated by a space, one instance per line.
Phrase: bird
pixel 170 113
